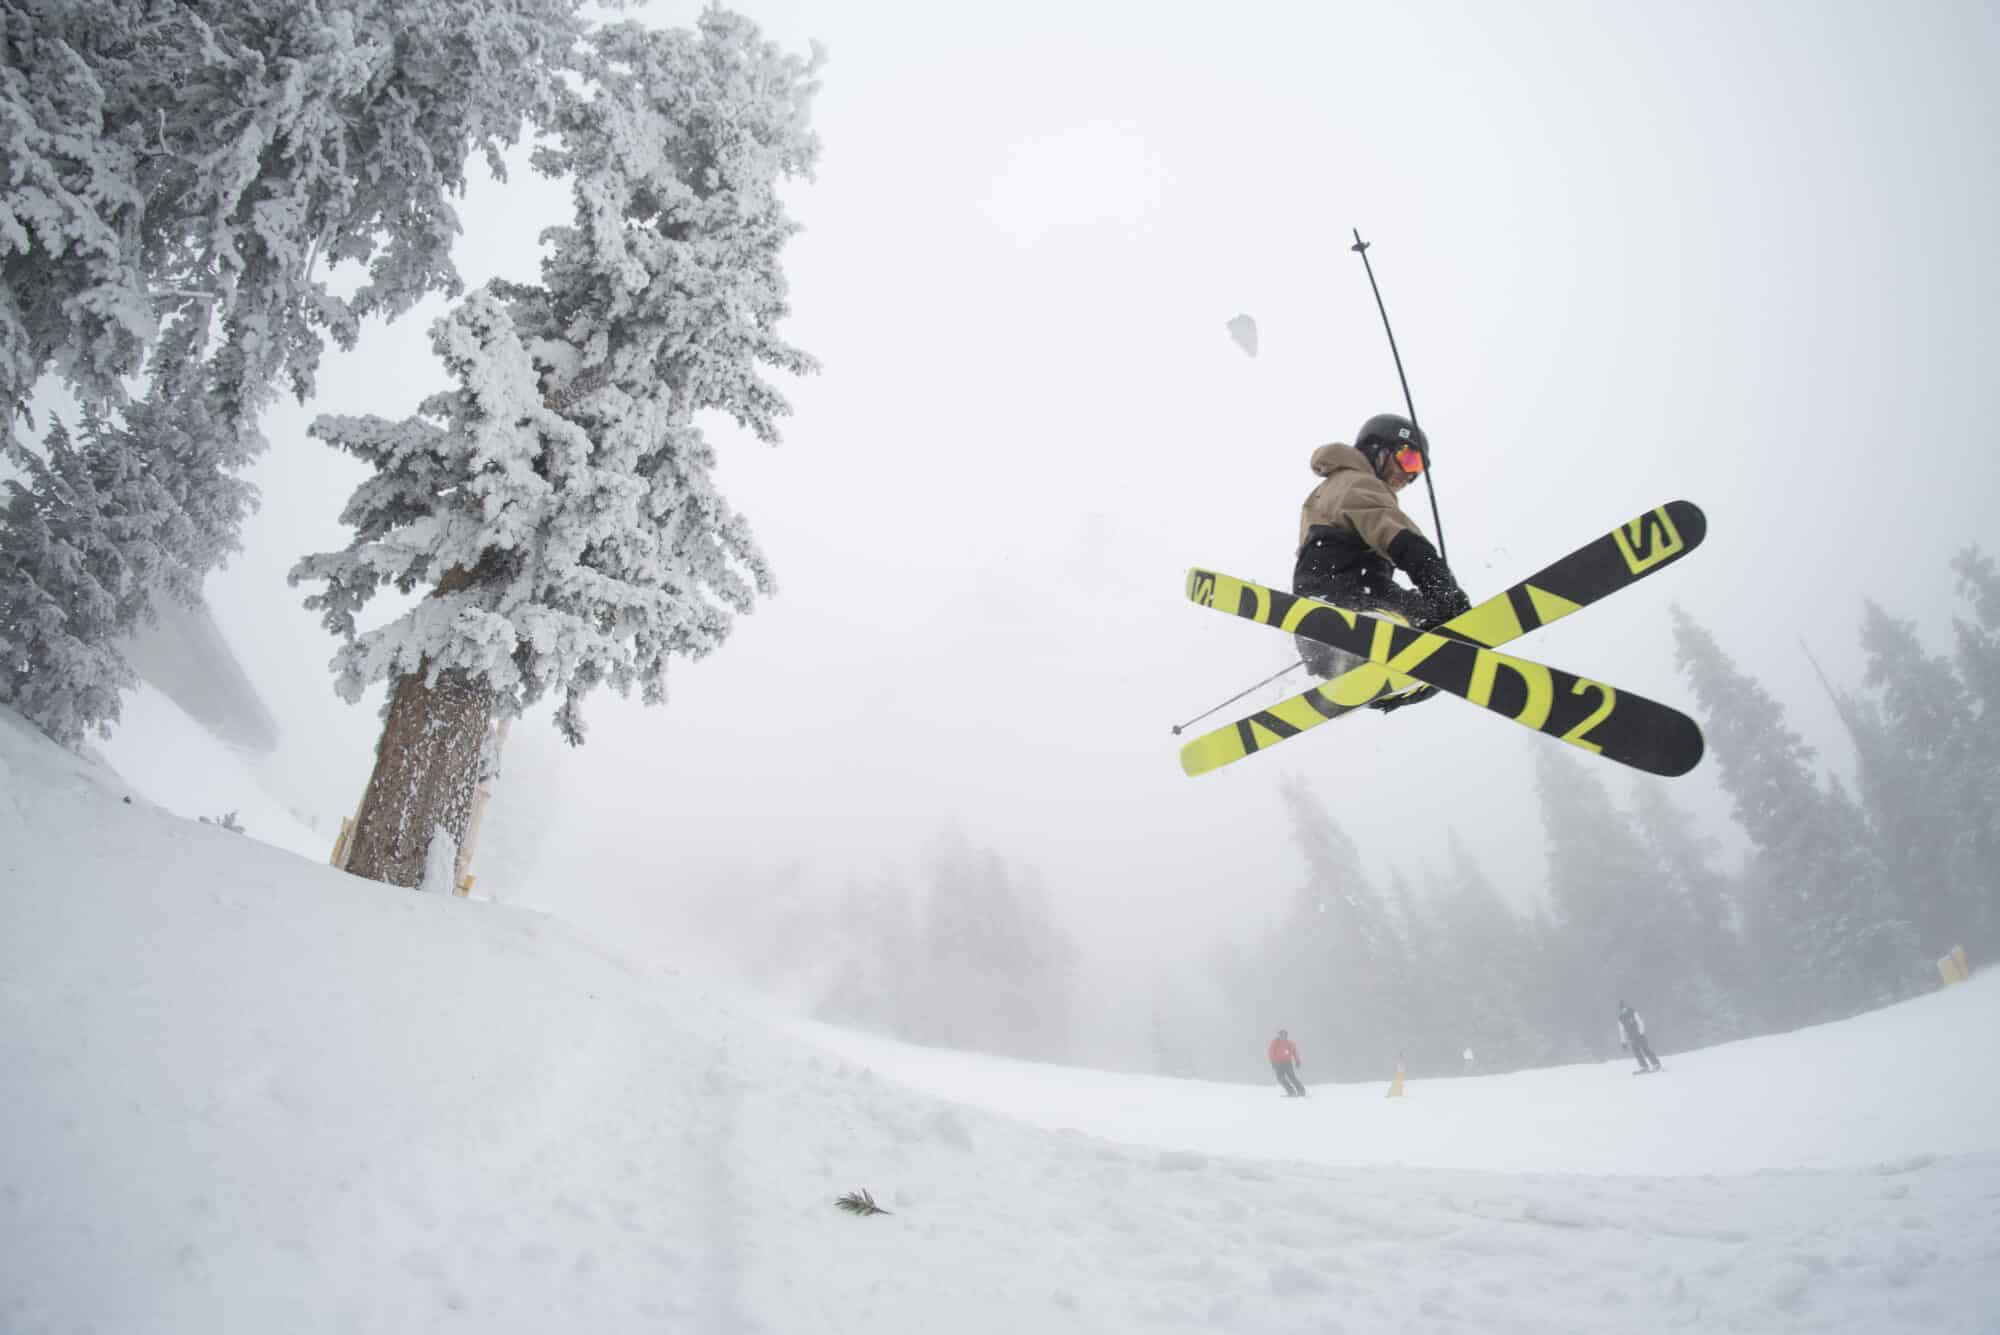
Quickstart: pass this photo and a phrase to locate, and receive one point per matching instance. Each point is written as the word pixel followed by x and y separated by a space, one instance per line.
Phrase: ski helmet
pixel 1385 433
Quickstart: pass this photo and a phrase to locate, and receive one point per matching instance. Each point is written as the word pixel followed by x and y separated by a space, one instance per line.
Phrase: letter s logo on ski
pixel 1201 587
pixel 1648 540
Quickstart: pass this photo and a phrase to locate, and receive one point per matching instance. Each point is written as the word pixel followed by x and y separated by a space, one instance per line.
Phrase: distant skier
pixel 1353 536
pixel 1285 1064
pixel 1632 1037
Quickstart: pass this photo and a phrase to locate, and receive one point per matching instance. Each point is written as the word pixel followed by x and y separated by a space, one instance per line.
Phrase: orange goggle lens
pixel 1410 459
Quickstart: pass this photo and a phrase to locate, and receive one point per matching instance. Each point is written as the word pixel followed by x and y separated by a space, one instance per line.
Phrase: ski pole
pixel 1238 696
pixel 1360 248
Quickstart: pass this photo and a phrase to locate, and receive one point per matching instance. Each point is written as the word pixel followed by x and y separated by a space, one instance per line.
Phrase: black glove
pixel 1414 556
pixel 1444 607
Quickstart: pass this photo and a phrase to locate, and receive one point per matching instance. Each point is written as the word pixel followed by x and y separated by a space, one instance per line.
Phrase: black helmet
pixel 1390 431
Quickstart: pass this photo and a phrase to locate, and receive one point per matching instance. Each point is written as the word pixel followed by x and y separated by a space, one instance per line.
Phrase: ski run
pixel 248 1093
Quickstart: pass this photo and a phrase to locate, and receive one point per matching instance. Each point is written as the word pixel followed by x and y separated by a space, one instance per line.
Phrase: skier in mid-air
pixel 1632 1037
pixel 1354 536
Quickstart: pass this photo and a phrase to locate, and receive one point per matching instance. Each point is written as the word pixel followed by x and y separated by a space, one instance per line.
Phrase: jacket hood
pixel 1330 459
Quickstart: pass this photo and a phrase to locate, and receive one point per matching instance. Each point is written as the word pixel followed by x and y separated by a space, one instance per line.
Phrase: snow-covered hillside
pixel 168 756
pixel 1932 1068
pixel 247 1093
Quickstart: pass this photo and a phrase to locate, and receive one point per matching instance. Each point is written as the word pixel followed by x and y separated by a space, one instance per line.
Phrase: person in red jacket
pixel 1285 1063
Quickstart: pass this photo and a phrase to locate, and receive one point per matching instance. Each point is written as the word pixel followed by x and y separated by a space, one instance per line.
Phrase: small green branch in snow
pixel 860 1202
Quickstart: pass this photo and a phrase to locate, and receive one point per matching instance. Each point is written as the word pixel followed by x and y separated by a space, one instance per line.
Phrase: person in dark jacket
pixel 1354 536
pixel 1285 1065
pixel 1632 1037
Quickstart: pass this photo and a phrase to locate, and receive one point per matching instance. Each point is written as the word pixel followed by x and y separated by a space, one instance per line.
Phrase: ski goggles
pixel 1410 459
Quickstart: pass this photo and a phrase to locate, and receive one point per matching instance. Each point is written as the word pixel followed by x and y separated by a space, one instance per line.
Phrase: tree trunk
pixel 426 767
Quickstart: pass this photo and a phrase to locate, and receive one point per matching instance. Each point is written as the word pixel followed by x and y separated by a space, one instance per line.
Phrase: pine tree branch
pixel 860 1202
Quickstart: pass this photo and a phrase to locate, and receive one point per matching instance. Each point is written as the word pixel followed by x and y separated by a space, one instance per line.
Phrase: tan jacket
pixel 1352 499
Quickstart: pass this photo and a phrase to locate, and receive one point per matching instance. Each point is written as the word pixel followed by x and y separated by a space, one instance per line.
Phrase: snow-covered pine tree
pixel 74 295
pixel 1206 1019
pixel 997 971
pixel 867 952
pixel 63 589
pixel 1335 958
pixel 1617 933
pixel 1420 1036
pixel 1913 728
pixel 186 176
pixel 1489 967
pixel 1823 927
pixel 560 504
pixel 1979 585
pixel 211 163
pixel 1715 994
pixel 1539 999
pixel 92 529
pixel 1977 790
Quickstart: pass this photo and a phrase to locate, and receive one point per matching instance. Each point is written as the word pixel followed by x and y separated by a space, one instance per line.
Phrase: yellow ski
pixel 1613 561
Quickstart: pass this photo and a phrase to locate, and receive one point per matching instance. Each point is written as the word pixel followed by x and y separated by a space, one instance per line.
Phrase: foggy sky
pixel 1740 254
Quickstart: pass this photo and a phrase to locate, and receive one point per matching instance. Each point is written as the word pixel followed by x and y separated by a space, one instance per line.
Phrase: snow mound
pixel 170 759
pixel 249 1093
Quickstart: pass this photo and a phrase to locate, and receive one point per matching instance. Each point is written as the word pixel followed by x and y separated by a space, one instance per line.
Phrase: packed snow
pixel 249 1093
pixel 1811 1110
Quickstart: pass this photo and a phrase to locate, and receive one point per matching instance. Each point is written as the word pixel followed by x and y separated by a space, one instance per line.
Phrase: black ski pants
pixel 1288 1077
pixel 1644 1052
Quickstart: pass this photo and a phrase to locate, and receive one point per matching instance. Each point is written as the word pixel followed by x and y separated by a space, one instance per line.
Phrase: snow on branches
pixel 208 163
pixel 180 180
pixel 560 504
pixel 97 524
pixel 670 267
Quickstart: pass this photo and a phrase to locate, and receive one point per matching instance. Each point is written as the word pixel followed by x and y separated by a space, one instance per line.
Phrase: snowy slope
pixel 248 1093
pixel 1932 1069
pixel 174 761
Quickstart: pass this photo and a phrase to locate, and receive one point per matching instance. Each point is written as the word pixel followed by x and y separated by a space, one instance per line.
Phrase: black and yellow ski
pixel 1614 561
pixel 1587 714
